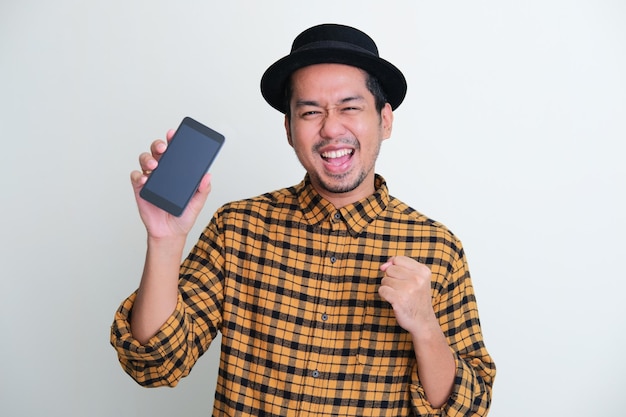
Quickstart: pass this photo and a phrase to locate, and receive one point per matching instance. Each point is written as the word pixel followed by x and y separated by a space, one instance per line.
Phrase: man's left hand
pixel 406 286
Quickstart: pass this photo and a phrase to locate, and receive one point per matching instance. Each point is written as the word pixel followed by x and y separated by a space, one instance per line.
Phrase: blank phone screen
pixel 180 169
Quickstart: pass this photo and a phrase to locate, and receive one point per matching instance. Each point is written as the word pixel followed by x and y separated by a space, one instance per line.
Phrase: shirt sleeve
pixel 173 351
pixel 163 360
pixel 456 309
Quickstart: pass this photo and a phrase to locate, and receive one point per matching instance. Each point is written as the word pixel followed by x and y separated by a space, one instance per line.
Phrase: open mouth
pixel 337 157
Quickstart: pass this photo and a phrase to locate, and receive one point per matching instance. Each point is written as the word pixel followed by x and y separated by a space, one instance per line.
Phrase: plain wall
pixel 511 134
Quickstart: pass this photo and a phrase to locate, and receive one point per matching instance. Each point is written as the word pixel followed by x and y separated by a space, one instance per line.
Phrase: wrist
pixel 167 241
pixel 426 329
pixel 167 246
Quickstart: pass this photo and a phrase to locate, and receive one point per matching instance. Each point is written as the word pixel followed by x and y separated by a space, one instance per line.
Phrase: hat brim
pixel 275 78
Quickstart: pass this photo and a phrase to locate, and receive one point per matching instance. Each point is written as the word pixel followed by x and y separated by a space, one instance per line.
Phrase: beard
pixel 340 184
pixel 347 181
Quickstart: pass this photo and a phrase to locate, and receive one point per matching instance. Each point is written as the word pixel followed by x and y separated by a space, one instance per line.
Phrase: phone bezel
pixel 162 201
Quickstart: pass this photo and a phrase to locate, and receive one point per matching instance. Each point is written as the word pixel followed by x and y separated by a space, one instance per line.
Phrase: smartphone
pixel 187 158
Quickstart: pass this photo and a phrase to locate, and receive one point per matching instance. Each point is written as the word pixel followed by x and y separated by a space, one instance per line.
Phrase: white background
pixel 511 134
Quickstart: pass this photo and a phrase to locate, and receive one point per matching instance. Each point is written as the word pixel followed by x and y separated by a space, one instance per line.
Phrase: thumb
pixel 387 264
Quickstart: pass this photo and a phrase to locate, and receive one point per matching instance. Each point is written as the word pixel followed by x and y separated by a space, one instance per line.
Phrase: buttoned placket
pixel 322 335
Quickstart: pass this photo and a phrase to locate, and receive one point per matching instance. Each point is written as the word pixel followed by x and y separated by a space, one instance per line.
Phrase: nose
pixel 332 126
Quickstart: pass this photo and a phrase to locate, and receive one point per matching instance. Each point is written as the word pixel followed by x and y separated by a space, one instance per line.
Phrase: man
pixel 332 297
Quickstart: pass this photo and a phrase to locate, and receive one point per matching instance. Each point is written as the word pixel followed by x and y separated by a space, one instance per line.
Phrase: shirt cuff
pixel 147 363
pixel 466 389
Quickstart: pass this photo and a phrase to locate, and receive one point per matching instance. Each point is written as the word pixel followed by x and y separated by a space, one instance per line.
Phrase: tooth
pixel 336 154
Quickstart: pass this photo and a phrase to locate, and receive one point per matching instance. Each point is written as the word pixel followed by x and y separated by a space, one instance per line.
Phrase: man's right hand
pixel 158 222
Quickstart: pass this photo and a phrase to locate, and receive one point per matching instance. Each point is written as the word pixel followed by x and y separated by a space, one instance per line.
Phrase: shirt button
pixel 337 216
pixel 333 259
pixel 315 374
pixel 324 316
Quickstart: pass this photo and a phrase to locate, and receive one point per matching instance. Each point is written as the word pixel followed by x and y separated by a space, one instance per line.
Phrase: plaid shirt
pixel 292 285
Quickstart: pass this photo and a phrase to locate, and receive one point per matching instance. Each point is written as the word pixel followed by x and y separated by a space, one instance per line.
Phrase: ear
pixel 386 116
pixel 288 131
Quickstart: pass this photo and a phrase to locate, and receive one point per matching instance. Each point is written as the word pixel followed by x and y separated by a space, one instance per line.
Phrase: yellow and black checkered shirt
pixel 292 285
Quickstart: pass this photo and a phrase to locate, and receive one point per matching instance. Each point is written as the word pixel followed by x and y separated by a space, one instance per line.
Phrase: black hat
pixel 331 43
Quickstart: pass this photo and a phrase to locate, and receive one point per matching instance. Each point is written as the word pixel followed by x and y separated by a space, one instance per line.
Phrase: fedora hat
pixel 332 43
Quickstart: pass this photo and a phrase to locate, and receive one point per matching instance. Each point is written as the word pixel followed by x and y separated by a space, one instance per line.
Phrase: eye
pixel 309 114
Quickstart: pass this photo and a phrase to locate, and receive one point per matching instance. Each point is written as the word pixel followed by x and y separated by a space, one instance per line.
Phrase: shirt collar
pixel 357 216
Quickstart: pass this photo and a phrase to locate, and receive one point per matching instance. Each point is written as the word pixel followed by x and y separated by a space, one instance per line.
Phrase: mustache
pixel 341 141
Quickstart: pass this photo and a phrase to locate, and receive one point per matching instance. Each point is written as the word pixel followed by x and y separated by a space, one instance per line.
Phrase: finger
pixel 386 265
pixel 157 148
pixel 200 197
pixel 203 190
pixel 394 260
pixel 170 134
pixel 147 163
pixel 137 178
pixel 393 268
pixel 386 293
pixel 403 261
pixel 205 184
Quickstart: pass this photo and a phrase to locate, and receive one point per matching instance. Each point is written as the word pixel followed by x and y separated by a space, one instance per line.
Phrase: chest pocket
pixel 383 344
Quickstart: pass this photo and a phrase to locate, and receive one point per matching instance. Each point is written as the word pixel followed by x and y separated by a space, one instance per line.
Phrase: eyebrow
pixel 301 103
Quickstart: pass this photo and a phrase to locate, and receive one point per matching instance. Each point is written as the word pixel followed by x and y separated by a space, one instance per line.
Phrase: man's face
pixel 336 130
